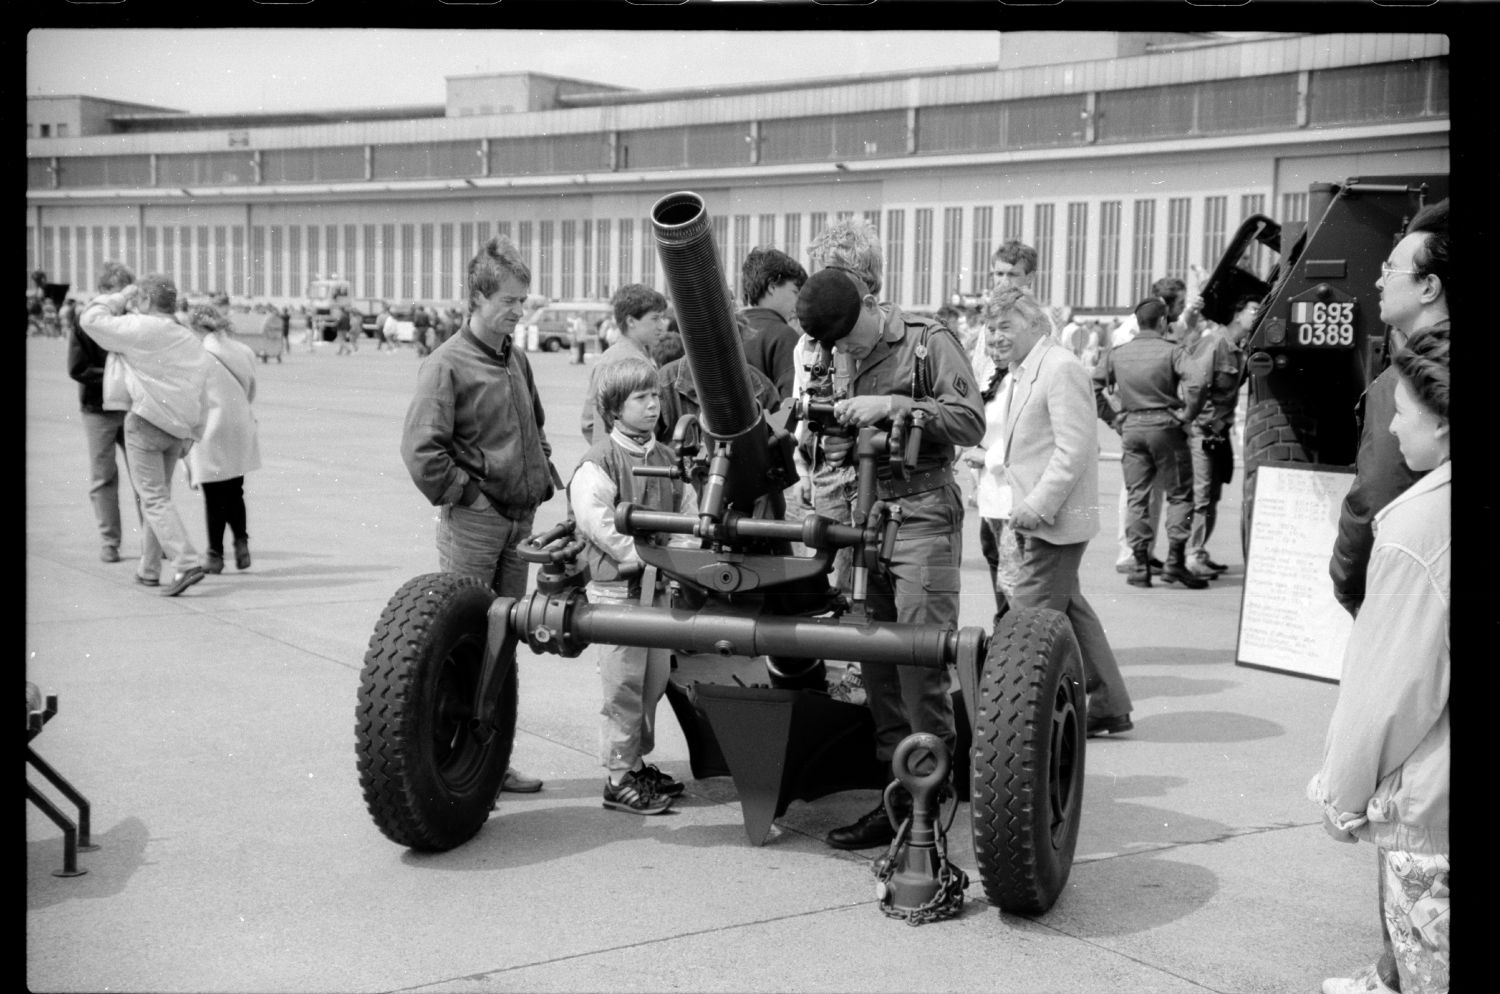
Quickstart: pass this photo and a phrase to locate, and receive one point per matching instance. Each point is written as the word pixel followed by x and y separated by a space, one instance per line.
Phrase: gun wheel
pixel 1027 774
pixel 429 778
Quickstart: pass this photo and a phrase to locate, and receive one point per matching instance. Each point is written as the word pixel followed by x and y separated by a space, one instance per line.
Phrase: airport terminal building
pixel 1122 157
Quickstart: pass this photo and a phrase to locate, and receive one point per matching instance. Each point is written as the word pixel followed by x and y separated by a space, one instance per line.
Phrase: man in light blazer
pixel 1052 465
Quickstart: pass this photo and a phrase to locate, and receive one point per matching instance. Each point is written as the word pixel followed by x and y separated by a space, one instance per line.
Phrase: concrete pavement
pixel 214 735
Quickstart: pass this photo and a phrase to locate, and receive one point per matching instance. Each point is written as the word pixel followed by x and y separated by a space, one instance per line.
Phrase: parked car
pixel 553 322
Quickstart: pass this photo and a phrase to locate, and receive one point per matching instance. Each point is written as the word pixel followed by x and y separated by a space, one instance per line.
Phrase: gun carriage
pixel 437 700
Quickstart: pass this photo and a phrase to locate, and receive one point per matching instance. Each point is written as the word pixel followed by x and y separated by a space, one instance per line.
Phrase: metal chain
pixel 947 902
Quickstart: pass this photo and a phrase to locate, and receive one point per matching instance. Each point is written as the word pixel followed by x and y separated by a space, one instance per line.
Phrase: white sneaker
pixel 1366 981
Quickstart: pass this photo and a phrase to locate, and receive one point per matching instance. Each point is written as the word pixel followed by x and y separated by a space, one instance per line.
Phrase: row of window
pixel 1359 94
pixel 1096 253
pixel 58 130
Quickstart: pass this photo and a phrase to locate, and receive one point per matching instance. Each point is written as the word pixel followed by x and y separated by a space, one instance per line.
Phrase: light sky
pixel 212 70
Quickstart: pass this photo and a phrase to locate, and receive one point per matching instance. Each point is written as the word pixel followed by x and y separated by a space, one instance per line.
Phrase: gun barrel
pixel 695 277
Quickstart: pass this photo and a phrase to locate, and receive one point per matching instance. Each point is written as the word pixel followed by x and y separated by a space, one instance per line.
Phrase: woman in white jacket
pixel 1386 761
pixel 992 493
pixel 230 446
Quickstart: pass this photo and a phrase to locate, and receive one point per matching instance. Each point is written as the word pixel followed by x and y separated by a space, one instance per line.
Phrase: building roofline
pixel 164 111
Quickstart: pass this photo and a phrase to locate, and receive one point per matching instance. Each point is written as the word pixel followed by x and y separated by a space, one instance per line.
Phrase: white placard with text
pixel 1289 619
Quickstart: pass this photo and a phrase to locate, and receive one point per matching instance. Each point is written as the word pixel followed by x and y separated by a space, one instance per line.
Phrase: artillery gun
pixel 1318 341
pixel 438 691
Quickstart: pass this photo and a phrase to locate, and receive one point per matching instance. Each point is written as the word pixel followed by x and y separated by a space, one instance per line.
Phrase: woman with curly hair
pixel 1386 766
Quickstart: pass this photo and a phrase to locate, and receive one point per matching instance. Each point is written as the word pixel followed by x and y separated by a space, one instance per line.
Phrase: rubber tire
pixel 1275 431
pixel 1028 759
pixel 551 344
pixel 428 781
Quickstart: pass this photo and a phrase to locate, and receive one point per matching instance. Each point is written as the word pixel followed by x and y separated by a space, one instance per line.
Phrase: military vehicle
pixel 1318 341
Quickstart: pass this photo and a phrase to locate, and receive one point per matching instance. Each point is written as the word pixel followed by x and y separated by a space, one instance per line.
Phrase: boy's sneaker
pixel 664 784
pixel 635 795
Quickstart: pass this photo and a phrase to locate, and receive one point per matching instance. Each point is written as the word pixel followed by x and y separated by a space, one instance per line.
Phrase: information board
pixel 1289 619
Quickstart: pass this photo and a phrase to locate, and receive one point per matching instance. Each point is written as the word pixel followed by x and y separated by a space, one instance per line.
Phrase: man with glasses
pixel 1414 282
pixel 473 439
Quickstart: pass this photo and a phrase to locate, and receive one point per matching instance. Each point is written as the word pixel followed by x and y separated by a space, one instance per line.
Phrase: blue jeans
pixel 105 432
pixel 482 544
pixel 152 455
pixel 834 492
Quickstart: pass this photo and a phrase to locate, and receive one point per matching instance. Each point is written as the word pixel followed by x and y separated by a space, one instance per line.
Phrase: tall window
pixel 467 247
pixel 1293 207
pixel 1179 217
pixel 424 257
pixel 351 258
pixel 1142 250
pixel 237 245
pixel 278 286
pixel 767 235
pixel 923 277
pixel 331 253
pixel 1215 220
pixel 166 260
pixel 1109 253
pixel 523 243
pixel 544 257
pixel 408 267
pixel 257 258
pixel 895 253
pixel 446 286
pixel 793 237
pixel 313 256
pixel 130 256
pixel 1043 240
pixel 1077 254
pixel 818 221
pixel 741 249
pixel 65 252
pixel 586 269
pixel 568 250
pixel 601 257
pixel 294 267
pixel 1014 215
pixel 953 252
pixel 979 268
pixel 874 218
pixel 627 250
pixel 648 253
pixel 388 260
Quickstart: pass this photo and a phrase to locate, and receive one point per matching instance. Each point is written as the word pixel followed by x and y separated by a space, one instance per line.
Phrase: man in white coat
pixel 230 446
pixel 157 373
pixel 1052 465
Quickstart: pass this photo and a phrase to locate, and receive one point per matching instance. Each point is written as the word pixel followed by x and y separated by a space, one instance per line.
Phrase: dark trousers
pixel 1049 578
pixel 989 545
pixel 1153 445
pixel 224 504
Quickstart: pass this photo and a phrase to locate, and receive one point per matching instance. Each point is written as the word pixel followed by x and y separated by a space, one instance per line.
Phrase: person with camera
pixel 902 364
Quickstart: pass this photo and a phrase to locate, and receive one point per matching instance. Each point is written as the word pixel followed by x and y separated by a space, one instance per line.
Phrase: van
pixel 553 322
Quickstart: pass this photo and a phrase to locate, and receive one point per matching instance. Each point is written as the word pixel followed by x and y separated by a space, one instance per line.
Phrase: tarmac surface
pixel 214 735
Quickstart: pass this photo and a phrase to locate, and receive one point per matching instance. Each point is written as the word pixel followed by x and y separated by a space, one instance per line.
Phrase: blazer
pixel 1052 451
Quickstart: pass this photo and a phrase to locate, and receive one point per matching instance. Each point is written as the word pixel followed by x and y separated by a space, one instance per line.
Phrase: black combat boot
pixel 1176 570
pixel 1140 570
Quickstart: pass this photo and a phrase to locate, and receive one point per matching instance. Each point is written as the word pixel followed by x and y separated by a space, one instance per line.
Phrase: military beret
pixel 828 305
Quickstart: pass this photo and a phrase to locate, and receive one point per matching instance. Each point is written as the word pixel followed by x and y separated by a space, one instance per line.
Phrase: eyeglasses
pixel 1386 269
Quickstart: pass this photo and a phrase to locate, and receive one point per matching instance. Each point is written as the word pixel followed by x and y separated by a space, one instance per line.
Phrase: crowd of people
pixel 162 386
pixel 1017 405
